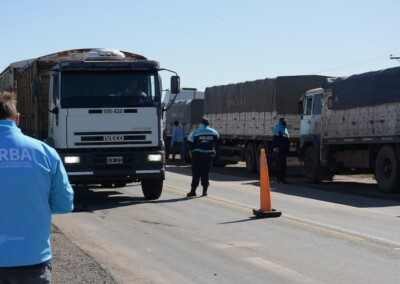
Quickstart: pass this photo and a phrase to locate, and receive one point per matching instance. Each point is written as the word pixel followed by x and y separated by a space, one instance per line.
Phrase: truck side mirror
pixel 300 107
pixel 175 84
pixel 54 110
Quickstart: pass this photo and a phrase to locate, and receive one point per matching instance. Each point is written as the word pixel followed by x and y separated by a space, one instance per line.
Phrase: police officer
pixel 202 143
pixel 281 149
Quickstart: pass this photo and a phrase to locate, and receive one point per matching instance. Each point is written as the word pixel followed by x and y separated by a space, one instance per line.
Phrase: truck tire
pixel 167 142
pixel 311 165
pixel 387 170
pixel 250 157
pixel 152 188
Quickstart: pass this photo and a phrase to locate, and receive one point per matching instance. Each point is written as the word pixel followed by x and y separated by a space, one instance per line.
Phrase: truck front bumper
pixel 102 167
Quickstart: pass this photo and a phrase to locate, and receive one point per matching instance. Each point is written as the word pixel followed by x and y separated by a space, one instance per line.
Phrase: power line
pixel 395 57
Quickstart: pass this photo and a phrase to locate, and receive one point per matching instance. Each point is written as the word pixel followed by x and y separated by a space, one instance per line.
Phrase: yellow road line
pixel 325 229
pixel 286 218
pixel 214 200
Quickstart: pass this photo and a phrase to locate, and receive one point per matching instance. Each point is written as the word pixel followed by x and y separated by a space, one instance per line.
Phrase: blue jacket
pixel 177 134
pixel 33 185
pixel 203 139
pixel 280 138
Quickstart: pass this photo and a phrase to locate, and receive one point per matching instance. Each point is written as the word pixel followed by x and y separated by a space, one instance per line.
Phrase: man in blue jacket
pixel 202 143
pixel 33 185
pixel 177 141
pixel 281 149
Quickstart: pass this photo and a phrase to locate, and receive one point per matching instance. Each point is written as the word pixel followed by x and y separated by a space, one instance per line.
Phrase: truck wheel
pixel 387 170
pixel 311 165
pixel 152 188
pixel 167 147
pixel 250 156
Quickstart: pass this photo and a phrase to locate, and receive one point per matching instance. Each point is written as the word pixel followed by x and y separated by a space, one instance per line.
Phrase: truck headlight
pixel 72 160
pixel 154 158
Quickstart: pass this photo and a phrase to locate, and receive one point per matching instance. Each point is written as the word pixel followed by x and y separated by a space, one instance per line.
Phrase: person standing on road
pixel 33 185
pixel 281 149
pixel 202 143
pixel 177 141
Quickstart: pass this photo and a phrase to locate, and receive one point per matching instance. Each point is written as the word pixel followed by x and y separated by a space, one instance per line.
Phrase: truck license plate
pixel 114 160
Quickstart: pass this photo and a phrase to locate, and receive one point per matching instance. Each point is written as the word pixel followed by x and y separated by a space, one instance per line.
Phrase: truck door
pixel 311 121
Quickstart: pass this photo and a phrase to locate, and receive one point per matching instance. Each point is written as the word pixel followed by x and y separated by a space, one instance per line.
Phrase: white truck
pixel 244 114
pixel 188 113
pixel 76 101
pixel 352 125
pixel 187 107
pixel 169 98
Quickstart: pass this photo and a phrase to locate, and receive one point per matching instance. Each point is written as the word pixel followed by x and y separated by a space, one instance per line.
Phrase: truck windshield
pixel 83 89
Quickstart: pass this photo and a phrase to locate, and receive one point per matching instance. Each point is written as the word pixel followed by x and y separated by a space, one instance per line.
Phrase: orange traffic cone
pixel 265 210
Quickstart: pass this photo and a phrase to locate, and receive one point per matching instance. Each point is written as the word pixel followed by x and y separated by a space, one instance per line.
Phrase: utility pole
pixel 395 57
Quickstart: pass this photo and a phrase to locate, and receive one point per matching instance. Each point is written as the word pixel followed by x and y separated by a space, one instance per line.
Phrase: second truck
pixel 187 107
pixel 244 114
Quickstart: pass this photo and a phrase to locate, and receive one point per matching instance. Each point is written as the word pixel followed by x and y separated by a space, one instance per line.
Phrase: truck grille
pixel 112 138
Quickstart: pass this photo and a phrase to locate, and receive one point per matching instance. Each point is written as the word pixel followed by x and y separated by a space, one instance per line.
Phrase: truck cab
pixel 312 107
pixel 105 120
pixel 310 126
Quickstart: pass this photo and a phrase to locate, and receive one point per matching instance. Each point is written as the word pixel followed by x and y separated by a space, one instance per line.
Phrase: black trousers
pixel 281 165
pixel 201 165
pixel 33 274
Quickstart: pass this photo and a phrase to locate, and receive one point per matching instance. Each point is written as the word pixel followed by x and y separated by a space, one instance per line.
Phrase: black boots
pixel 192 193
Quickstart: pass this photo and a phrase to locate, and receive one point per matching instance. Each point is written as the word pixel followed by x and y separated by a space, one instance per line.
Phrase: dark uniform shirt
pixel 203 139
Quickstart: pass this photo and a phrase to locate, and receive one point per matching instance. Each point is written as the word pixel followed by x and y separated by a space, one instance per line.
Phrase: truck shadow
pixel 346 193
pixel 96 198
pixel 340 192
pixel 91 199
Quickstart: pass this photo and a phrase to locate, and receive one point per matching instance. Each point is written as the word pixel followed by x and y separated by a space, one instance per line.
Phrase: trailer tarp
pixel 367 89
pixel 279 94
pixel 185 111
pixel 289 90
pixel 241 97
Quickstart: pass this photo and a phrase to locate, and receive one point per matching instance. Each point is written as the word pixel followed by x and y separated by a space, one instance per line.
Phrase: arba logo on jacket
pixel 15 154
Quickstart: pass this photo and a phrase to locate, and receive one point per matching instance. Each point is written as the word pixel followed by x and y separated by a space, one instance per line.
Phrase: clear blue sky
pixel 212 42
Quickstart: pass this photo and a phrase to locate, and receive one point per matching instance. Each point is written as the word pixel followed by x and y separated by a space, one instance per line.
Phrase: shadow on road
pixel 97 198
pixel 89 200
pixel 350 191
pixel 339 192
pixel 253 218
pixel 346 193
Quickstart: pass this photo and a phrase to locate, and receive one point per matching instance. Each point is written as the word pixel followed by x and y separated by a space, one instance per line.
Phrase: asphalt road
pixel 323 236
